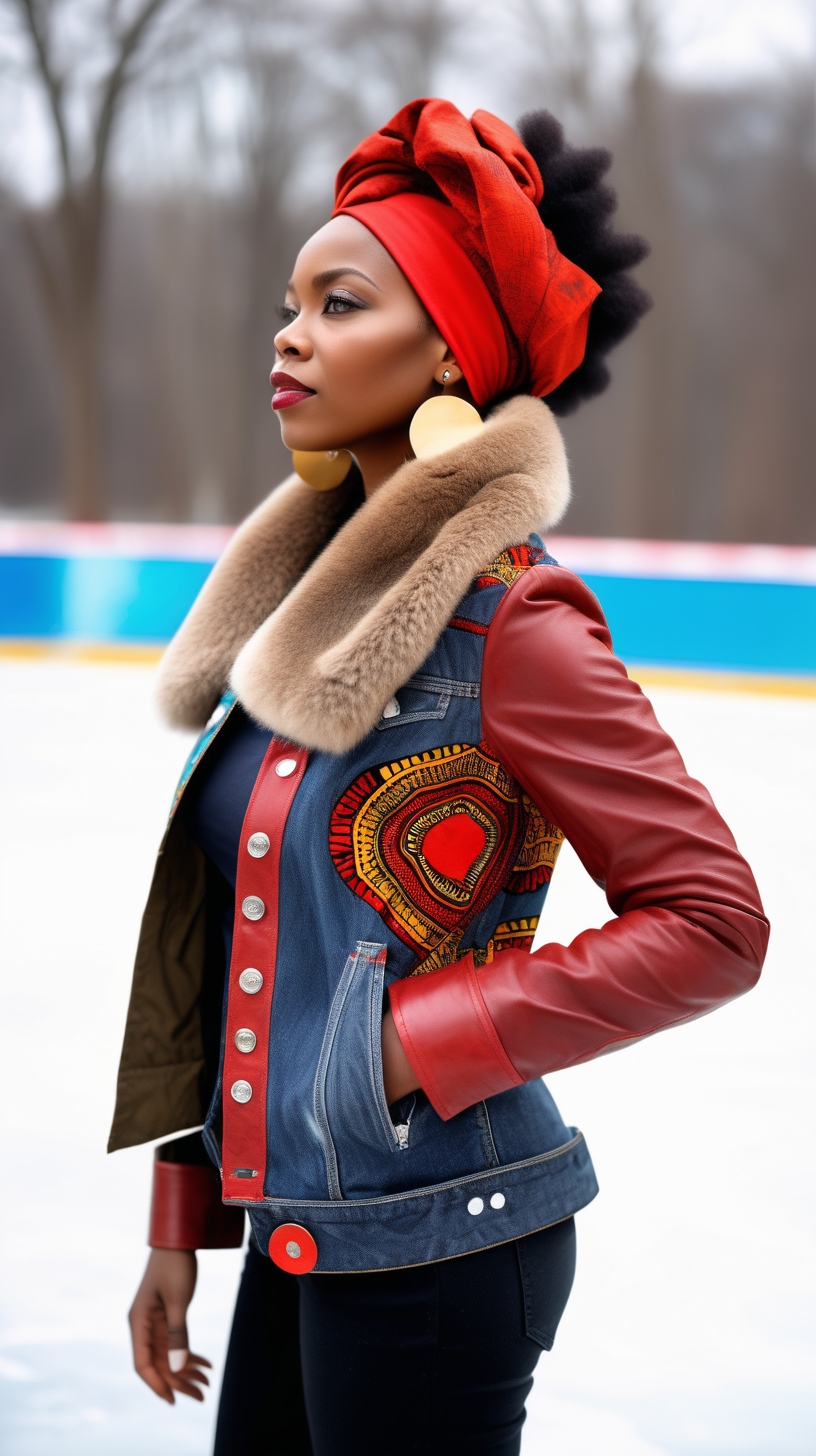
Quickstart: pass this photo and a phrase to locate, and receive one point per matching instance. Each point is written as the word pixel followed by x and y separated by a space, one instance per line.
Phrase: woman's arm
pixel 158 1326
pixel 582 740
pixel 186 1213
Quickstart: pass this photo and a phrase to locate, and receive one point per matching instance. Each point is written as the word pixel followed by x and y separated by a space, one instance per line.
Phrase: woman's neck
pixel 378 456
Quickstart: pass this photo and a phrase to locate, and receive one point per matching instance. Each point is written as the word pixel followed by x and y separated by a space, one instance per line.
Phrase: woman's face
pixel 357 354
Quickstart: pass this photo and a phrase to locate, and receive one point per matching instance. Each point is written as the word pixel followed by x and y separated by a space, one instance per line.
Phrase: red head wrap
pixel 455 203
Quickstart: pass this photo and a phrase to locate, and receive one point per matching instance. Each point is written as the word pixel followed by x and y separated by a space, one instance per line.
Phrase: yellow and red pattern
pixel 538 853
pixel 508 567
pixel 429 840
pixel 510 935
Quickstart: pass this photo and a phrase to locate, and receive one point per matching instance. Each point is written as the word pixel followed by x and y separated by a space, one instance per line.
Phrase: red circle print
pixel 292 1248
pixel 454 845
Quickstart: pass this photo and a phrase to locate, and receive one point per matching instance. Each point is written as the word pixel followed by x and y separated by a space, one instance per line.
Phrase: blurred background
pixel 162 160
pixel 160 163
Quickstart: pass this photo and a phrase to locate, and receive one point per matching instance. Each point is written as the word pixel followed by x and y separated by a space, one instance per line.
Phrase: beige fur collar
pixel 316 651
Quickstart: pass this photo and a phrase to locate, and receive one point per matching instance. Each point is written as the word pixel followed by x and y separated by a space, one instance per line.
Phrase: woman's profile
pixel 405 705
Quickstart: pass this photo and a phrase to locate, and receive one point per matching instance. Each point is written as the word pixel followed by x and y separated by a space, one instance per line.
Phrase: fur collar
pixel 314 651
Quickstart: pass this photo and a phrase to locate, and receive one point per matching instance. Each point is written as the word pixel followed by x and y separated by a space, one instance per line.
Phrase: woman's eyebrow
pixel 322 280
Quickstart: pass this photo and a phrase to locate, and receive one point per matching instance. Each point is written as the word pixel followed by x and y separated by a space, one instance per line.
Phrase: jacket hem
pixel 427 1225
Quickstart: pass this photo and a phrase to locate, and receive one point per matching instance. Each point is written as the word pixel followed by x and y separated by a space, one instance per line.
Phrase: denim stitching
pixel 319 1092
pixel 375 1027
pixel 455 687
pixel 500 1172
pixel 446 687
pixel 488 1142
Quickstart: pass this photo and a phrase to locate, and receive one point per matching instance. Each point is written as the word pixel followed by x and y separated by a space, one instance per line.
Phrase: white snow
pixel 688 1333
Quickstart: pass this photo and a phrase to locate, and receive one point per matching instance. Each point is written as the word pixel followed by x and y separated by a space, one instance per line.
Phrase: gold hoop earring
pixel 442 423
pixel 322 469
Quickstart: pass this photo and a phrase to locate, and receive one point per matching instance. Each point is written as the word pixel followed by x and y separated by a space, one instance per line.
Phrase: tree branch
pixel 129 45
pixel 52 83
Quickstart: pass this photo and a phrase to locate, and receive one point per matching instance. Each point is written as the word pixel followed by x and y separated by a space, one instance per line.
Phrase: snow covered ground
pixel 688 1333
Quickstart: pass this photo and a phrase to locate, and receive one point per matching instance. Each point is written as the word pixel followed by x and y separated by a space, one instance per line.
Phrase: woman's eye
pixel 286 314
pixel 339 303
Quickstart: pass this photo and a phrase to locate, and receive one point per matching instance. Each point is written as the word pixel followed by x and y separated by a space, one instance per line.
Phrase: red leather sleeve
pixel 560 712
pixel 186 1211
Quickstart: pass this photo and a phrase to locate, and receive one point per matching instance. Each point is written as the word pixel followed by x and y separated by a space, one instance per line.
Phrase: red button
pixel 292 1247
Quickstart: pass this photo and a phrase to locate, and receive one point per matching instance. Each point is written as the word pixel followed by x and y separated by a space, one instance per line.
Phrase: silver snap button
pixel 391 709
pixel 476 1205
pixel 241 1091
pixel 253 907
pixel 286 767
pixel 497 1200
pixel 250 981
pixel 293 1250
pixel 258 845
pixel 245 1040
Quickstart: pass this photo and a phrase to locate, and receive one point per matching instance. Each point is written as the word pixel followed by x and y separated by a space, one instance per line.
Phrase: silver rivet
pixel 258 845
pixel 497 1200
pixel 391 709
pixel 241 1091
pixel 293 1250
pixel 476 1205
pixel 245 1041
pixel 286 767
pixel 250 981
pixel 253 907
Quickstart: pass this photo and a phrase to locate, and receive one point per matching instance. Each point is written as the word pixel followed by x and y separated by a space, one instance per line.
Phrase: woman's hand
pixel 158 1326
pixel 399 1077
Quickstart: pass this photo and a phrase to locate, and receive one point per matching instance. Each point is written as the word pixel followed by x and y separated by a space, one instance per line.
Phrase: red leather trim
pixel 255 944
pixel 449 1039
pixel 560 712
pixel 186 1211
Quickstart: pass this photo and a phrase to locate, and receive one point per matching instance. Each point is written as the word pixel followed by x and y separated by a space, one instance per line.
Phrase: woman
pixel 410 704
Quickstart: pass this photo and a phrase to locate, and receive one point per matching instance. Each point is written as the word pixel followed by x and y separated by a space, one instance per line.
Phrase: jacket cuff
pixel 449 1038
pixel 186 1211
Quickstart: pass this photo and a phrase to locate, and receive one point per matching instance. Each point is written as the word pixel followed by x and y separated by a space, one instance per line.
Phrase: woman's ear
pixel 447 372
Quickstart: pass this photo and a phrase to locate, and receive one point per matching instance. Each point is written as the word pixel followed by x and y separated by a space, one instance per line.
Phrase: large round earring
pixel 322 469
pixel 442 423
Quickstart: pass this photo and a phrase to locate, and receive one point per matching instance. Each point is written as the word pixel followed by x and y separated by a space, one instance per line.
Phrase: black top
pixel 216 799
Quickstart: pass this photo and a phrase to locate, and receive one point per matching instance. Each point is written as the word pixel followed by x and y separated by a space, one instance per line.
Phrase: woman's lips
pixel 288 391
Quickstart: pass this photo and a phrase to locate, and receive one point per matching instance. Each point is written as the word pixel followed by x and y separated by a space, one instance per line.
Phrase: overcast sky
pixel 725 40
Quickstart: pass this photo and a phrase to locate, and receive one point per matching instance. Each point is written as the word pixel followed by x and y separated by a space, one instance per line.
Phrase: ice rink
pixel 690 1331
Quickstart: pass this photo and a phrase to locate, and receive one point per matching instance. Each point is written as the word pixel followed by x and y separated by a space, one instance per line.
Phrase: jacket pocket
pixel 424 698
pixel 349 1097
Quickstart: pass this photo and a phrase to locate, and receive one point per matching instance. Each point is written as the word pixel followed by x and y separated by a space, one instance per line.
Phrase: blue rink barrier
pixel 675 604
pixel 97 598
pixel 756 626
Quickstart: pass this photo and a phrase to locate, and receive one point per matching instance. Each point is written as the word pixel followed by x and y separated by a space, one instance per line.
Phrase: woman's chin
pixel 295 439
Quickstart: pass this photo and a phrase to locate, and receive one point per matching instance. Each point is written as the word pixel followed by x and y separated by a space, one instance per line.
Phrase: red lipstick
pixel 288 390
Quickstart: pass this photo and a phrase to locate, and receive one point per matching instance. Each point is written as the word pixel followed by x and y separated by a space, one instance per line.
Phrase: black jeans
pixel 437 1359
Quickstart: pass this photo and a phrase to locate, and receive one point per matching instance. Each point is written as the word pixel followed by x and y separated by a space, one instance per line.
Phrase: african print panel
pixel 429 840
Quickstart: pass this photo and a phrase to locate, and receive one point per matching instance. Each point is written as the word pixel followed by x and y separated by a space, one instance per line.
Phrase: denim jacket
pixel 404 854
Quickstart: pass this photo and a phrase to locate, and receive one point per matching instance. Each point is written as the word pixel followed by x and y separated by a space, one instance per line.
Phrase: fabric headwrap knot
pixel 455 204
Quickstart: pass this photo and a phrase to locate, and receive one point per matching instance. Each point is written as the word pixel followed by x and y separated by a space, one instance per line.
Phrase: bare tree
pixel 66 241
pixel 557 61
pixel 391 54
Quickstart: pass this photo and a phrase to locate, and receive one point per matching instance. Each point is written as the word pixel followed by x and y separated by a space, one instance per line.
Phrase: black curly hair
pixel 577 207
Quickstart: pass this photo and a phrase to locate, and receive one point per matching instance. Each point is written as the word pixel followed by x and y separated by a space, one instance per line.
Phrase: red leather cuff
pixel 186 1211
pixel 449 1038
